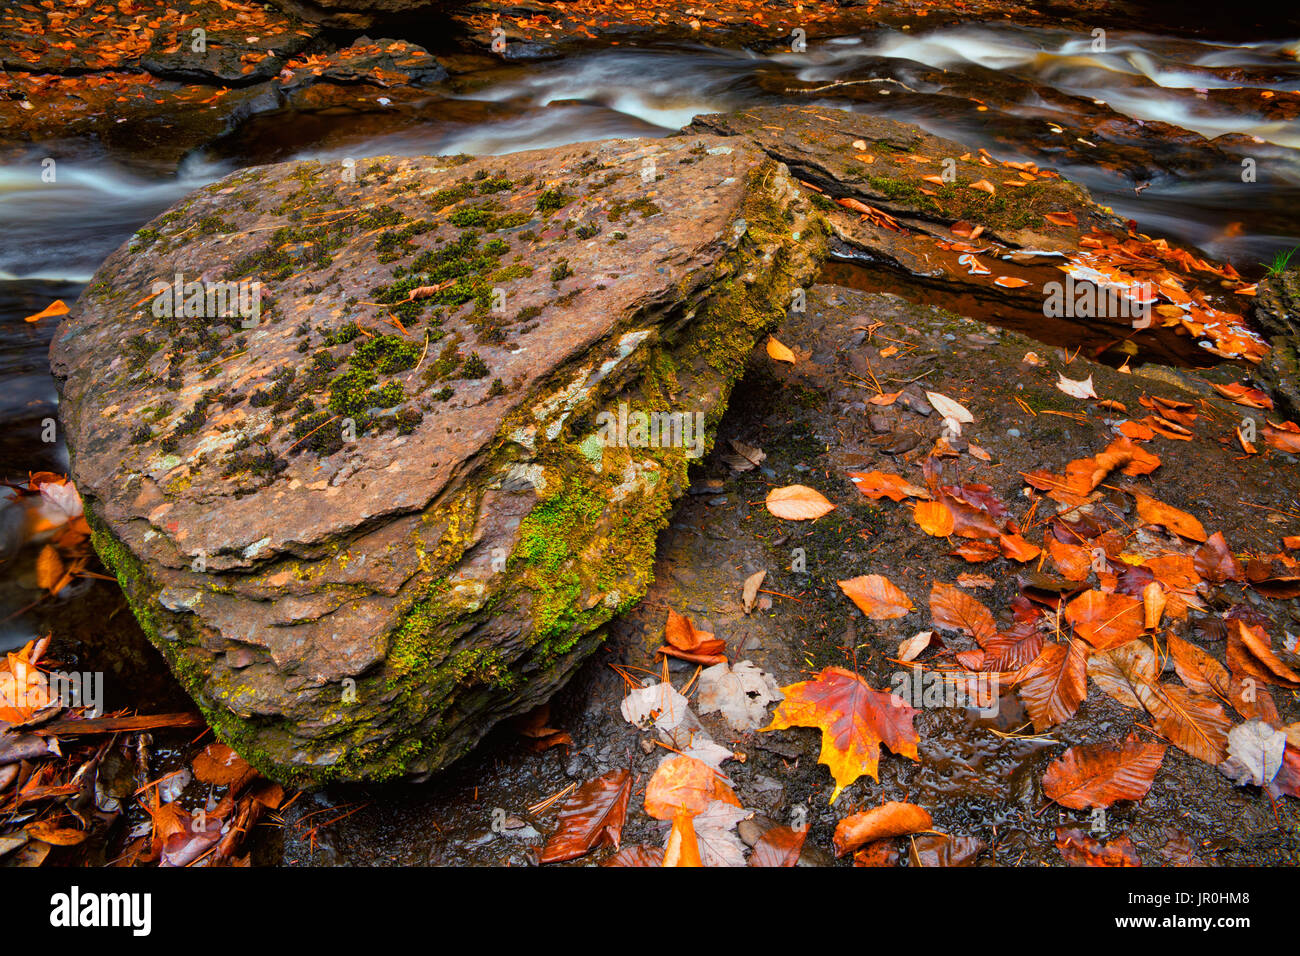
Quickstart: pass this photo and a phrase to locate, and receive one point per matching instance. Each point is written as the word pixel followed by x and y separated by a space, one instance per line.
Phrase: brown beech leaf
pixel 779 846
pixel 1250 652
pixel 1180 523
pixel 592 815
pixel 956 610
pixel 1214 561
pixel 1192 722
pixel 976 552
pixel 879 484
pixel 49 569
pixel 1105 620
pixel 684 785
pixel 1120 671
pixel 880 853
pixel 1054 684
pixel 877 597
pixel 683 847
pixel 218 764
pixel 891 819
pixel 1017 548
pixel 1198 669
pixel 1096 775
pixel 1079 849
pixel 1244 395
pixel 798 503
pixel 1072 560
pixel 934 518
pixel 854 720
pixel 943 849
pixel 683 635
pixel 636 856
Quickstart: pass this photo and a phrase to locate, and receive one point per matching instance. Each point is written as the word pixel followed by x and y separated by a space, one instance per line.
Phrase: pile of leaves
pixel 78 789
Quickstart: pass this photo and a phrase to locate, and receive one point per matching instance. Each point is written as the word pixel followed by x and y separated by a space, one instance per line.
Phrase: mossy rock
pixel 357 567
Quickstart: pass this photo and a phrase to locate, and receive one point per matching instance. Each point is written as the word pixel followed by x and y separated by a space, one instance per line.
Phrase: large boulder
pixel 371 521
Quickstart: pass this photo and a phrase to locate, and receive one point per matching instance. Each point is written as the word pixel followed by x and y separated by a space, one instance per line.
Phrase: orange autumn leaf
pixel 683 849
pixel 1054 684
pixel 1096 775
pixel 57 307
pixel 1010 282
pixel 934 518
pixel 877 597
pixel 23 689
pixel 218 764
pixel 1250 653
pixel 1017 548
pixel 798 503
pixel 684 636
pixel 1106 620
pixel 1072 560
pixel 49 569
pixel 779 352
pixel 976 552
pixel 1244 395
pixel 854 720
pixel 1079 849
pixel 684 785
pixel 1198 669
pixel 1061 218
pixel 893 819
pixel 956 610
pixel 984 186
pixel 879 484
pixel 779 846
pixel 1180 523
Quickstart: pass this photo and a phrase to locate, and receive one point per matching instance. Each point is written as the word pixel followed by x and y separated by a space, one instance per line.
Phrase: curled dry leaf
pixel 854 720
pixel 911 648
pixel 798 503
pixel 1250 652
pixel 1096 775
pixel 877 597
pixel 984 186
pixel 893 819
pixel 55 308
pixel 752 584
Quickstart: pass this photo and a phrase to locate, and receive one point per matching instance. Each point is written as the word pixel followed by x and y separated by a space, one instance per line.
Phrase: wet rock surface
pixel 374 519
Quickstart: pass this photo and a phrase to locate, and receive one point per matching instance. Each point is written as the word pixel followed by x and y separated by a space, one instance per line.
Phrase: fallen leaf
pixel 1105 620
pixel 956 610
pixel 1255 753
pixel 893 819
pixel 854 720
pixel 57 307
pixel 934 518
pixel 1081 388
pixel 798 503
pixel 1079 849
pixel 1096 775
pixel 592 815
pixel 1250 652
pixel 1156 512
pixel 877 597
pixel 1054 684
pixel 1192 722
pixel 1010 282
pixel 778 846
pixel 779 352
pixel 879 484
pixel 1122 671
pixel 750 593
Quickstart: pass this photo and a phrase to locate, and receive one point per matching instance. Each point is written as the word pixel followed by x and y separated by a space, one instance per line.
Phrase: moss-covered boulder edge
pixel 465 653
